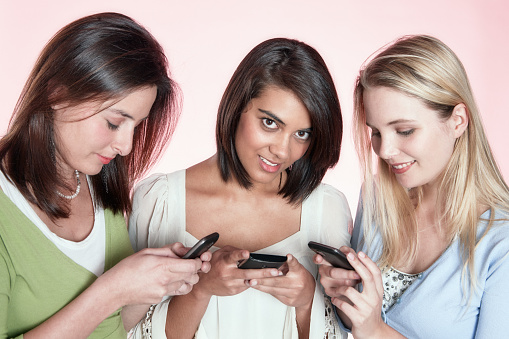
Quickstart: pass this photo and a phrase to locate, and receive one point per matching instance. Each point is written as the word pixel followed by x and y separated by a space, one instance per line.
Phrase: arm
pixel 224 279
pixel 132 314
pixel 492 321
pixel 143 277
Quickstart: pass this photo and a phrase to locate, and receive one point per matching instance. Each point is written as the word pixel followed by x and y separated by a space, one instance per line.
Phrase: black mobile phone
pixel 257 260
pixel 201 246
pixel 334 256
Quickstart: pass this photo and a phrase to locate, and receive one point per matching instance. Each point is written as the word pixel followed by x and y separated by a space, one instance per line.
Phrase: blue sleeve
pixel 493 316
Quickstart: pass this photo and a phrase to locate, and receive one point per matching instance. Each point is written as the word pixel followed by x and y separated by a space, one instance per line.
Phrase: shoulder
pixel 493 245
pixel 330 197
pixel 159 183
pixel 326 190
pixel 498 231
pixel 326 211
pixel 159 188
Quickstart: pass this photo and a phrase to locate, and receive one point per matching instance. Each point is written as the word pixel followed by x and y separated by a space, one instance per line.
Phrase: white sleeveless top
pixel 158 218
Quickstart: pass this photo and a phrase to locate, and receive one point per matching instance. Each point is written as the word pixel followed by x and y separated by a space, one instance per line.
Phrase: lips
pixel 402 167
pixel 104 160
pixel 268 165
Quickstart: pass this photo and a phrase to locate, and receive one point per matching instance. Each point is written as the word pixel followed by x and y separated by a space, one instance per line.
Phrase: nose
pixel 123 142
pixel 281 147
pixel 387 149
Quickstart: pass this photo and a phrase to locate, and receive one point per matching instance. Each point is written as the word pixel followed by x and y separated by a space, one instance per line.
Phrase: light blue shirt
pixel 434 306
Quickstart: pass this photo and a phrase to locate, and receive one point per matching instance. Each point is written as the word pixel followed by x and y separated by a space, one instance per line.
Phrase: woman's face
pixel 273 132
pixel 408 136
pixel 86 140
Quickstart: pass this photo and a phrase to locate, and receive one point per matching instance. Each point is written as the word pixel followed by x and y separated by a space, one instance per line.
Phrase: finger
pixel 340 274
pixel 346 250
pixel 369 283
pixel 206 256
pixel 292 262
pixel 345 306
pixel 181 265
pixel 178 248
pixel 237 255
pixel 184 289
pixel 257 273
pixel 162 251
pixel 375 272
pixel 319 260
pixel 205 267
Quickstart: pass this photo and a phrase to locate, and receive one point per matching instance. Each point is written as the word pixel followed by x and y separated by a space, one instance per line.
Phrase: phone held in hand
pixel 334 256
pixel 201 246
pixel 257 260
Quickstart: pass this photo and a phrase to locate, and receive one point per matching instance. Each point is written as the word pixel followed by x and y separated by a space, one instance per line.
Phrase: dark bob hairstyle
pixel 295 66
pixel 97 58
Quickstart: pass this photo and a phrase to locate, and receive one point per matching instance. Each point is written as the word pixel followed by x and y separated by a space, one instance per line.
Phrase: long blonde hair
pixel 425 68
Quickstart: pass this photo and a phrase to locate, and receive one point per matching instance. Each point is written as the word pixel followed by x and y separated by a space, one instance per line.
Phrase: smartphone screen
pixel 201 246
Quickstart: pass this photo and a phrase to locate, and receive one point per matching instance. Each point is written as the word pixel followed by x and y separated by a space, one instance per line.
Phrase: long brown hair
pixel 96 58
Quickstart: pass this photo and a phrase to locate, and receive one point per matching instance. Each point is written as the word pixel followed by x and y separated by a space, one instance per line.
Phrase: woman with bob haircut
pixel 96 112
pixel 278 131
pixel 431 233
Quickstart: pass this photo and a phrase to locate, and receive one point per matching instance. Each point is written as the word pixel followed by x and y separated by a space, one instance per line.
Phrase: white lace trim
pixel 146 326
pixel 332 329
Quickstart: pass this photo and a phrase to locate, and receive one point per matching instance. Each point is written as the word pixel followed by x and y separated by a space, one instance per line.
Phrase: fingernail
pixel 275 273
pixel 362 255
pixel 351 256
pixel 253 282
pixel 279 273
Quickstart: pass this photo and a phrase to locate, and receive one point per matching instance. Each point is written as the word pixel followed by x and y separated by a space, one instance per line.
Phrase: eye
pixel 375 133
pixel 111 126
pixel 302 135
pixel 269 123
pixel 407 132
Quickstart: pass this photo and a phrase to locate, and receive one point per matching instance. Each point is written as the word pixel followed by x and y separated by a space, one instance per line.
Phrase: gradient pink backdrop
pixel 205 40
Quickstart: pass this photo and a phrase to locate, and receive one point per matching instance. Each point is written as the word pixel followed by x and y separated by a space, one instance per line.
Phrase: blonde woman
pixel 431 233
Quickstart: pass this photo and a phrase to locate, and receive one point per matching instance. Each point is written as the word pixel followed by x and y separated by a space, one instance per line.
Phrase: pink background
pixel 205 41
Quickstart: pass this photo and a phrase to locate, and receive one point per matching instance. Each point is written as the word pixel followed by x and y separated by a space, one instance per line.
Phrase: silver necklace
pixel 69 197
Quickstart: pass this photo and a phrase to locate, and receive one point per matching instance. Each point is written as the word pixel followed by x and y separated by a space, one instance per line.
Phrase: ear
pixel 459 119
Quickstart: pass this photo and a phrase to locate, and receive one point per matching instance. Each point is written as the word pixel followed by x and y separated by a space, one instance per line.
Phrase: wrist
pixel 112 296
pixel 199 293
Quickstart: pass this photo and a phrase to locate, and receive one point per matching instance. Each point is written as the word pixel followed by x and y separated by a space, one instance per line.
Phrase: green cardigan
pixel 37 279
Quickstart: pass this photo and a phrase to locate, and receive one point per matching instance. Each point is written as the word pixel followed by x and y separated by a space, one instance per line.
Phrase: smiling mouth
pixel 401 166
pixel 268 162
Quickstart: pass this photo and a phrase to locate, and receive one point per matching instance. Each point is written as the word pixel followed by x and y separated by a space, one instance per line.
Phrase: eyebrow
pixel 272 115
pixel 122 113
pixel 394 122
pixel 126 115
pixel 276 118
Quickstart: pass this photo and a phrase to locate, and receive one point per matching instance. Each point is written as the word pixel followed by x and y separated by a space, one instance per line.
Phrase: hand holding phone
pixel 257 260
pixel 201 246
pixel 334 256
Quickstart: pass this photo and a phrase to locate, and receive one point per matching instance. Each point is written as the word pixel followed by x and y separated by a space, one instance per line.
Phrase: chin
pixel 92 171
